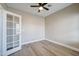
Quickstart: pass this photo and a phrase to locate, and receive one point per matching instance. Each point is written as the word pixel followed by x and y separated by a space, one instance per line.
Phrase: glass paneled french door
pixel 13 33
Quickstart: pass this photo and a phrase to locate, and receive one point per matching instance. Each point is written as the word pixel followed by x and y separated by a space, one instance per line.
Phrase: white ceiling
pixel 25 7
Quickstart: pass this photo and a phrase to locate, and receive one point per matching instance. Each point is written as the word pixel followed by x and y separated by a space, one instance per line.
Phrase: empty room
pixel 39 29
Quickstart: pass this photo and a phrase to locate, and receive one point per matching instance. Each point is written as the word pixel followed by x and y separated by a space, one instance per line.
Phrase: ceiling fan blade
pixel 45 8
pixel 38 10
pixel 34 6
pixel 44 4
pixel 40 4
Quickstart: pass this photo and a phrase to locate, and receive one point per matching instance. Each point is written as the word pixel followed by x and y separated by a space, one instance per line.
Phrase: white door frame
pixel 1 29
pixel 4 34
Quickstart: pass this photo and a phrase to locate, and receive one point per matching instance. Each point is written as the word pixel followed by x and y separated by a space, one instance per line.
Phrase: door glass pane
pixel 9 39
pixel 9 25
pixel 17 28
pixel 16 19
pixel 14 25
pixel 14 31
pixel 9 31
pixel 9 18
pixel 16 44
pixel 16 37
pixel 9 46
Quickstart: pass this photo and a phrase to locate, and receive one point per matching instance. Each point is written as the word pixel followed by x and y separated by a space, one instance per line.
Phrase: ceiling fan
pixel 41 6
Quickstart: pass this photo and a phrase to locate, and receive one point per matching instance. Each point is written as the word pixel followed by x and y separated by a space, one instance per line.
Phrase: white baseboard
pixel 32 41
pixel 67 46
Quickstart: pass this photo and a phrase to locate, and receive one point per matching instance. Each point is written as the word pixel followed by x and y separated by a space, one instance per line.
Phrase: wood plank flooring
pixel 44 48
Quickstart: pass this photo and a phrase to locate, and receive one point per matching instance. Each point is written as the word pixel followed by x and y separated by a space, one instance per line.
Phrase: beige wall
pixel 32 26
pixel 63 26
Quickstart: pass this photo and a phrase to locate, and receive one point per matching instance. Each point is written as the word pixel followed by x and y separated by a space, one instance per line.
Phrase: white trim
pixel 32 41
pixel 1 28
pixel 65 45
pixel 4 51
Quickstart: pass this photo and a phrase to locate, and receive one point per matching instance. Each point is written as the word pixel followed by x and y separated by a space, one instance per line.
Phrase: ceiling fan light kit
pixel 40 8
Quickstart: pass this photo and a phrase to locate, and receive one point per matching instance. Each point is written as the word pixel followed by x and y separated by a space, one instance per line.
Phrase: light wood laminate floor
pixel 44 48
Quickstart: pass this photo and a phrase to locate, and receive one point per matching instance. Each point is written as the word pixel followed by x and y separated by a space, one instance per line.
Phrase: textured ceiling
pixel 25 7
